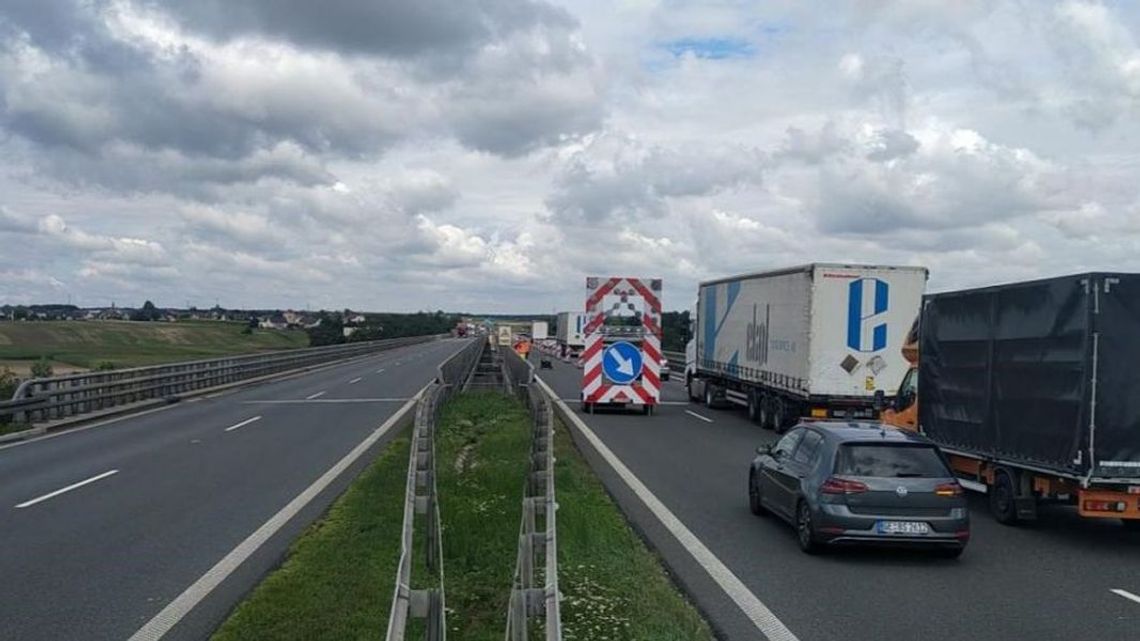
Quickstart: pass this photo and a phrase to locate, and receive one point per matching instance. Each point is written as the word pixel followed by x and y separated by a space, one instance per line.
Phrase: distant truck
pixel 1031 390
pixel 817 340
pixel 539 331
pixel 571 332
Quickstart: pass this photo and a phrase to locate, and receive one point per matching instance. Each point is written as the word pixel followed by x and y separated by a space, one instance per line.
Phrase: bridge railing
pixel 61 397
pixel 421 504
pixel 534 589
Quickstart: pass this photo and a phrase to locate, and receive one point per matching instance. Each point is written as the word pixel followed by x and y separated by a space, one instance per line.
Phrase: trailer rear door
pixel 1116 438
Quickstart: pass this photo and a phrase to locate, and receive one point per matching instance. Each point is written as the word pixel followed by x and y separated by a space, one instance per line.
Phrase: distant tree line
pixel 675 331
pixel 330 331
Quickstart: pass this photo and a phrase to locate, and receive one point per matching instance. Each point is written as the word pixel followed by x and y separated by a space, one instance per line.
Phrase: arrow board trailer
pixel 816 340
pixel 622 354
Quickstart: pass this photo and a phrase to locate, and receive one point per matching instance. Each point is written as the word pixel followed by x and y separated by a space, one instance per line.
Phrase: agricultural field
pixel 81 345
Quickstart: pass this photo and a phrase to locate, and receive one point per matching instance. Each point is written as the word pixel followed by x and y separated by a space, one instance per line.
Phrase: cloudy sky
pixel 486 155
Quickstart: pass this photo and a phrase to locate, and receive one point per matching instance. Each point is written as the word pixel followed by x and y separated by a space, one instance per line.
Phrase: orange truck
pixel 1031 391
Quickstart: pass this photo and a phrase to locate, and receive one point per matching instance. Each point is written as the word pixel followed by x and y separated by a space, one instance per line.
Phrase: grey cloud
pixel 616 175
pixel 385 27
pixel 812 148
pixel 891 144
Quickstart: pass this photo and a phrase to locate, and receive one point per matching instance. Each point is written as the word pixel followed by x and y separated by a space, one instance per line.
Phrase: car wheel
pixel 755 502
pixel 950 553
pixel 1002 502
pixel 805 529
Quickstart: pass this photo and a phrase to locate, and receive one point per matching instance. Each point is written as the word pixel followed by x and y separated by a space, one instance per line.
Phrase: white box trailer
pixel 571 331
pixel 538 330
pixel 816 340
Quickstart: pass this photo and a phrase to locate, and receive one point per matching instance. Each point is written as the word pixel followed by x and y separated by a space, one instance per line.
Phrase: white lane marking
pixel 695 415
pixel 200 589
pixel 69 488
pixel 243 423
pixel 312 396
pixel 356 380
pixel 753 608
pixel 380 371
pixel 1126 594
pixel 318 401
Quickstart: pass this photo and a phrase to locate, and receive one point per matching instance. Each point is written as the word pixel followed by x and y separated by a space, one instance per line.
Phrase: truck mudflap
pixel 1111 504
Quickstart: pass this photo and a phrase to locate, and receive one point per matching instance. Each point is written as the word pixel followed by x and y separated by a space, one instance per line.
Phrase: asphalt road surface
pixel 170 493
pixel 1053 579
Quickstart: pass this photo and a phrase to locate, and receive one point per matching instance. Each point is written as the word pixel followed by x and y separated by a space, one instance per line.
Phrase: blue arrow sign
pixel 621 363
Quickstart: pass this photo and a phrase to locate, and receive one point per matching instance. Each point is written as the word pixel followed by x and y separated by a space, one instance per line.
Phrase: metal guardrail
pixel 421 499
pixel 676 361
pixel 530 599
pixel 60 397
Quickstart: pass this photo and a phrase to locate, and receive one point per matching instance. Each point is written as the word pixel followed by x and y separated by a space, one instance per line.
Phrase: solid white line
pixel 1126 594
pixel 66 489
pixel 753 608
pixel 243 423
pixel 356 380
pixel 380 371
pixel 312 396
pixel 695 415
pixel 193 595
pixel 318 401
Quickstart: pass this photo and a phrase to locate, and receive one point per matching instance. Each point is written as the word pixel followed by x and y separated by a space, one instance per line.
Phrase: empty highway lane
pixel 101 528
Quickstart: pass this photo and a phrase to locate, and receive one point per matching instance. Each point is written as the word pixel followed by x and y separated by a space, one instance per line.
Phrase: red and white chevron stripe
pixel 628 291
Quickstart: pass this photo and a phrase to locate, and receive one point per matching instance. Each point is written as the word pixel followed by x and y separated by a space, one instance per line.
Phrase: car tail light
pixel 837 485
pixel 948 489
pixel 1105 506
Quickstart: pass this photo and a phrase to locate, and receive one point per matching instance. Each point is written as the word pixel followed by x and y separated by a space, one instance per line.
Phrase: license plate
pixel 903 527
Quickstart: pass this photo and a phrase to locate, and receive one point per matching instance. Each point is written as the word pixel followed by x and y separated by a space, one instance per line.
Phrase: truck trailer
pixel 817 340
pixel 1030 389
pixel 571 332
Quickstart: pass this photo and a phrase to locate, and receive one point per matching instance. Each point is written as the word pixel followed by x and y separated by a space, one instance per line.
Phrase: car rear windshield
pixel 890 461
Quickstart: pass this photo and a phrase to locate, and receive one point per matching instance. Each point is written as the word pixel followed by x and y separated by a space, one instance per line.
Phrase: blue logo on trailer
pixel 621 363
pixel 860 323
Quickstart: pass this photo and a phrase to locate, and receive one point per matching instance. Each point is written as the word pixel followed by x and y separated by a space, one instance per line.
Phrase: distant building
pixel 274 321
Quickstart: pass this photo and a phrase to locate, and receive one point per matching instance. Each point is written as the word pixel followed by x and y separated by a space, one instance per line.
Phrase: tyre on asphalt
pixel 754 500
pixel 1002 502
pixel 709 396
pixel 805 529
pixel 754 406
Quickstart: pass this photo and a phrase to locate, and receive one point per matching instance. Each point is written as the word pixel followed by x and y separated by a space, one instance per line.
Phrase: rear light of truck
pixel 819 412
pixel 948 489
pixel 1105 506
pixel 838 485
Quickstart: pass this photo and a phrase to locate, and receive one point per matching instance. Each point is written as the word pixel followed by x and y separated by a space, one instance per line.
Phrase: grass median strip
pixel 336 582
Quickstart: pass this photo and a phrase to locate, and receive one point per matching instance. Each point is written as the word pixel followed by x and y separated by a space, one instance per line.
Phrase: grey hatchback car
pixel 850 483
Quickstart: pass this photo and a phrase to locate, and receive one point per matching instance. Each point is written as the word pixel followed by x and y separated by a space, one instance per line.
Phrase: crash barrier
pixel 534 590
pixel 676 361
pixel 73 395
pixel 421 503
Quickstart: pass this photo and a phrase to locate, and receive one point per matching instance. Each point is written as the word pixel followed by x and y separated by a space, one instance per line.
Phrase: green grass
pixel 613 586
pixel 85 344
pixel 482 449
pixel 336 583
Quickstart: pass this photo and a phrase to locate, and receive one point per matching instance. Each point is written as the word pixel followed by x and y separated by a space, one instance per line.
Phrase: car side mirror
pixel 880 401
pixel 764 449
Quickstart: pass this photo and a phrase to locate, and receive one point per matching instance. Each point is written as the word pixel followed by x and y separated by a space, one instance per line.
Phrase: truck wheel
pixel 779 415
pixel 753 406
pixel 689 388
pixel 1002 496
pixel 709 396
pixel 765 411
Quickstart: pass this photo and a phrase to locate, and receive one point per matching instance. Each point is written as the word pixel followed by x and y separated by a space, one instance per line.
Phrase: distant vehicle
pixel 815 341
pixel 664 369
pixel 858 483
pixel 538 330
pixel 1030 389
pixel 571 332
